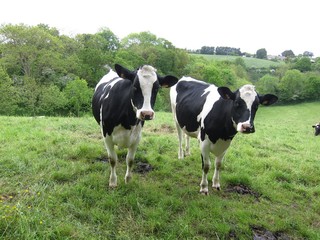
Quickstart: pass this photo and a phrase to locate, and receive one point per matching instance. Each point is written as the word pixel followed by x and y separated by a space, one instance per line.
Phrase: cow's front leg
pixel 205 167
pixel 129 160
pixel 113 162
pixel 216 175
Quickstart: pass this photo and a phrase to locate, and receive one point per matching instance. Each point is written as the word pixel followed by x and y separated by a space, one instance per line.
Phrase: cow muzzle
pixel 247 128
pixel 146 115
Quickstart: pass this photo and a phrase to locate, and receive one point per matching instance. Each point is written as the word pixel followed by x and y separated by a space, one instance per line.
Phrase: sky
pixel 275 25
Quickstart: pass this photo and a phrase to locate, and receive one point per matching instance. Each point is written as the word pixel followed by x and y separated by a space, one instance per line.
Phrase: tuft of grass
pixel 54 181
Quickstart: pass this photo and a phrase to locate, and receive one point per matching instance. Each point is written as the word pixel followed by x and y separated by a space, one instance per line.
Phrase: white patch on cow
pixel 106 78
pixel 126 138
pixel 147 77
pixel 248 94
pixel 212 97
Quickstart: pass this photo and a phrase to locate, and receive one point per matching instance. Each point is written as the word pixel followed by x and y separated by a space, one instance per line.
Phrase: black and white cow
pixel 122 101
pixel 213 115
pixel 317 129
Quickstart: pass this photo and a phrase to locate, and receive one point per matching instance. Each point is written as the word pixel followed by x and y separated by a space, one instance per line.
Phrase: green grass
pixel 249 62
pixel 53 184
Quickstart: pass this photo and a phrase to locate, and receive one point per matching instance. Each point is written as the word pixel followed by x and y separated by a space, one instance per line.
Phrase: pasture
pixel 249 62
pixel 54 182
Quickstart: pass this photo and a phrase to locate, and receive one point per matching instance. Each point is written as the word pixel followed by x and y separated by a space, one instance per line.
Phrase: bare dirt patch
pixel 142 167
pixel 164 128
pixel 242 190
pixel 260 233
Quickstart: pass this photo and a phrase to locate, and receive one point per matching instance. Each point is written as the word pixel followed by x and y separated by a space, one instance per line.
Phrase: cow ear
pixel 267 99
pixel 226 93
pixel 124 73
pixel 313 126
pixel 167 81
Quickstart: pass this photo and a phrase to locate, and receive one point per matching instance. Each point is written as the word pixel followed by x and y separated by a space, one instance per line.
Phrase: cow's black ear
pixel 124 73
pixel 167 81
pixel 267 99
pixel 226 93
pixel 313 126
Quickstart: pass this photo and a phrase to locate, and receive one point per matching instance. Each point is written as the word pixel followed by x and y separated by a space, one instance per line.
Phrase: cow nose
pixel 147 115
pixel 248 128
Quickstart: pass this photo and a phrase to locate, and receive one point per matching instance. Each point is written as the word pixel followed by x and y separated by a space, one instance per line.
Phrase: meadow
pixel 54 182
pixel 250 62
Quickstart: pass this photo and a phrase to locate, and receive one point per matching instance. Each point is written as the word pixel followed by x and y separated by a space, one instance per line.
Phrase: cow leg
pixel 129 160
pixel 216 175
pixel 180 137
pixel 113 161
pixel 206 163
pixel 187 139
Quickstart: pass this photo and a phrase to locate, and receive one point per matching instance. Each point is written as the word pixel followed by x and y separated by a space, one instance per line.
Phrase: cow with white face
pixel 122 101
pixel 213 115
pixel 316 129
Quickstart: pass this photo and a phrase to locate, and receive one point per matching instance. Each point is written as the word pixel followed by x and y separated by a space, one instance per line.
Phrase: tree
pixel 228 51
pixel 268 84
pixel 207 50
pixel 8 96
pixel 78 96
pixel 94 54
pixel 287 54
pixel 261 53
pixel 291 86
pixel 307 54
pixel 303 64
pixel 312 86
pixel 51 100
pixel 28 50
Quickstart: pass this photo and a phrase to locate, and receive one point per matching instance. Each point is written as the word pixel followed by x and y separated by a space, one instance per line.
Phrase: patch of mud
pixel 243 190
pixel 260 233
pixel 165 128
pixel 101 159
pixel 142 167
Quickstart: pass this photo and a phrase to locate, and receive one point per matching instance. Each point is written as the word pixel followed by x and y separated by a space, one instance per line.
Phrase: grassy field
pixel 54 177
pixel 250 62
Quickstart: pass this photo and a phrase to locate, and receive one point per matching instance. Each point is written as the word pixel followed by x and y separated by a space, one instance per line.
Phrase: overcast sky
pixel 275 25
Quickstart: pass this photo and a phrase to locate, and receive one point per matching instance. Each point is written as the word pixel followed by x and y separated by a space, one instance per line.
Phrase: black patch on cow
pixel 218 124
pixel 190 101
pixel 116 105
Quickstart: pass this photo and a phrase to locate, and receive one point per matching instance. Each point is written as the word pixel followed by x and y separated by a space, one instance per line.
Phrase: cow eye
pixel 237 104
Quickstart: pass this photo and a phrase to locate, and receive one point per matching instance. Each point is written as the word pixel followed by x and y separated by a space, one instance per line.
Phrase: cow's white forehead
pixel 248 94
pixel 147 74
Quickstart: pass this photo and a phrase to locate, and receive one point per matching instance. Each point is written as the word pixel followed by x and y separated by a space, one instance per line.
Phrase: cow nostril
pixel 148 115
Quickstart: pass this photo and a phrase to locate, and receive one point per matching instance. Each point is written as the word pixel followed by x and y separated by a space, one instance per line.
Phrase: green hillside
pixel 250 62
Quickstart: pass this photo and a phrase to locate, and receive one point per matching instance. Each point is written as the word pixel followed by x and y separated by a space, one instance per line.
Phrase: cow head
pixel 317 129
pixel 245 105
pixel 145 85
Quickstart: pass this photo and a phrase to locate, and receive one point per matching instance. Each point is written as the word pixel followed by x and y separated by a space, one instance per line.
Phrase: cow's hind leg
pixel 187 140
pixel 180 137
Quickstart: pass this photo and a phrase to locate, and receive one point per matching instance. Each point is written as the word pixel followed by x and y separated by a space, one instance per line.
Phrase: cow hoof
pixel 204 192
pixel 127 179
pixel 112 185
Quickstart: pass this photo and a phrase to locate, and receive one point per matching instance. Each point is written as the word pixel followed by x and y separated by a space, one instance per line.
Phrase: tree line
pixel 43 72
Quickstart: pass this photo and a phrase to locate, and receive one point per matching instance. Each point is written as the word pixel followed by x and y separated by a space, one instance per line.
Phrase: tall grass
pixel 54 182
